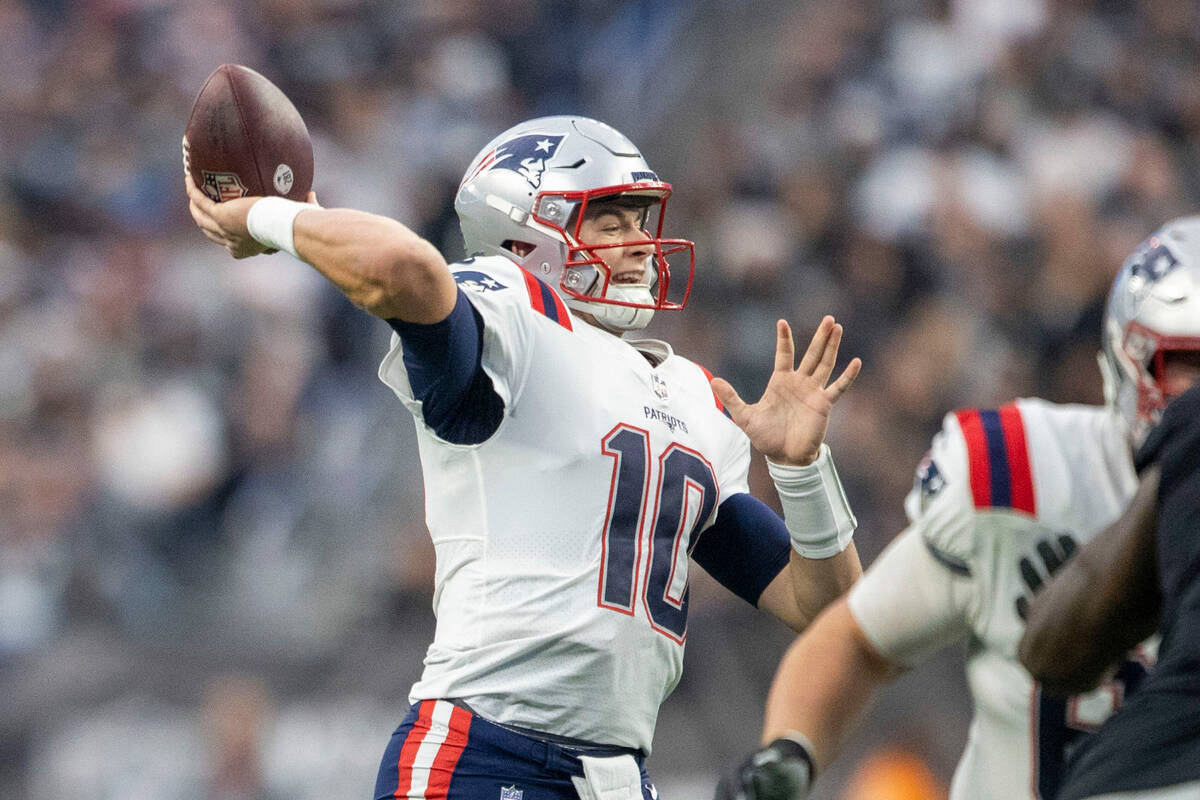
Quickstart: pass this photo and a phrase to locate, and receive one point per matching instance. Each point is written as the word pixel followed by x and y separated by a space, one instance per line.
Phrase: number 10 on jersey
pixel 684 495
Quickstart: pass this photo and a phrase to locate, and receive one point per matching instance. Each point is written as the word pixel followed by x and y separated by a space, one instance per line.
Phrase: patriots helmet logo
pixel 1153 261
pixel 525 155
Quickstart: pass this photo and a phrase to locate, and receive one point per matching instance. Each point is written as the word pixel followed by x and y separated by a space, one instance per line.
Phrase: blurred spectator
pixel 236 711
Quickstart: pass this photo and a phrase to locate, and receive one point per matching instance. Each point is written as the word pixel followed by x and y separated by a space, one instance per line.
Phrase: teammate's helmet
pixel 524 197
pixel 1153 309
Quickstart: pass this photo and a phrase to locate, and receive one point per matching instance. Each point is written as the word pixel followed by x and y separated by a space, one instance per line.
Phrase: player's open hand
pixel 788 423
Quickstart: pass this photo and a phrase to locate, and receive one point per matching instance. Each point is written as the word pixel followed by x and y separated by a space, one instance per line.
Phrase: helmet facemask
pixel 607 232
pixel 1141 388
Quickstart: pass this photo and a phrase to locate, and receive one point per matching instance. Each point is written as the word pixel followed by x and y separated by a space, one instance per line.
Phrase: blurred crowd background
pixel 214 575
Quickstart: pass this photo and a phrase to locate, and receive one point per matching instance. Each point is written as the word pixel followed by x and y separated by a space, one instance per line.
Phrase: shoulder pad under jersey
pixel 977 462
pixel 495 279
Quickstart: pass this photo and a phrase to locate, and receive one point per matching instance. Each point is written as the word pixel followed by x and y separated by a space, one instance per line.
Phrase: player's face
pixel 1181 370
pixel 616 224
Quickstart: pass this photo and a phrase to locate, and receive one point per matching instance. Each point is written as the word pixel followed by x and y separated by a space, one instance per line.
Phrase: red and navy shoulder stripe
pixel 998 458
pixel 546 301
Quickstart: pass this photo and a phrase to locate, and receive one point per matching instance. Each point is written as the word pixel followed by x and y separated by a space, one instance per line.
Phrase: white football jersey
pixel 1003 497
pixel 562 541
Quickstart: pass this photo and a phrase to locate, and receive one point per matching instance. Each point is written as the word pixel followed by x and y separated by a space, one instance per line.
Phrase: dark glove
pixel 783 770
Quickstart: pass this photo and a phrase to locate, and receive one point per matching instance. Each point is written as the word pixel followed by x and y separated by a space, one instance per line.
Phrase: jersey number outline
pixel 684 498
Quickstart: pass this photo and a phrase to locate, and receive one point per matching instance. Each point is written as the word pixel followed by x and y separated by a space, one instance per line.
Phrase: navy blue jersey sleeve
pixel 745 548
pixel 445 371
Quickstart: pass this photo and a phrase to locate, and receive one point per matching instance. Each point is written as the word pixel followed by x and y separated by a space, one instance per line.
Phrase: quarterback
pixel 572 472
pixel 999 504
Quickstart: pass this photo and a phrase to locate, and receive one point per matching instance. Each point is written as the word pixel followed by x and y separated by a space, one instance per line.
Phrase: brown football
pixel 245 138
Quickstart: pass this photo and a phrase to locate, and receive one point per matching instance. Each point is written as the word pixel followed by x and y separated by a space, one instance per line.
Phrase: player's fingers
pixel 215 237
pixel 829 356
pixel 728 397
pixel 836 389
pixel 816 346
pixel 201 217
pixel 785 348
pixel 197 198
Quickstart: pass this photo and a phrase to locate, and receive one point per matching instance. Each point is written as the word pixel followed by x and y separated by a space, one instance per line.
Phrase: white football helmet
pixel 1153 308
pixel 524 195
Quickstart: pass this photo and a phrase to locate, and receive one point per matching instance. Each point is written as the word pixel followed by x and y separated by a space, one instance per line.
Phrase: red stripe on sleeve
pixel 408 752
pixel 977 456
pixel 709 375
pixel 1020 474
pixel 535 292
pixel 448 754
pixel 564 317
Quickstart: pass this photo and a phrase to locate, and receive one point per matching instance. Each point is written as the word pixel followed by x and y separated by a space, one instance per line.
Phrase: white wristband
pixel 815 509
pixel 270 222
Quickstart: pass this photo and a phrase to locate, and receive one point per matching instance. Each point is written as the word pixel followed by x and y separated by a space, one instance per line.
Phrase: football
pixel 244 138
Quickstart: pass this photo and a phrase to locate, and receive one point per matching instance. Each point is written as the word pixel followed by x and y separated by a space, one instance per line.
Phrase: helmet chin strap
pixel 620 318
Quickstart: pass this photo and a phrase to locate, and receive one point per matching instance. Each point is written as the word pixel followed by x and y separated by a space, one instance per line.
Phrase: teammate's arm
pixel 378 263
pixel 825 682
pixel 1101 604
pixel 831 674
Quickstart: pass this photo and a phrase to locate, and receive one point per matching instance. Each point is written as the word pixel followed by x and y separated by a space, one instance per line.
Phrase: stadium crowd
pixel 214 573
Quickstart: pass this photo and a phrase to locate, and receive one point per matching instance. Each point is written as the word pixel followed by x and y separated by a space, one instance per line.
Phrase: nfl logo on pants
pixel 511 793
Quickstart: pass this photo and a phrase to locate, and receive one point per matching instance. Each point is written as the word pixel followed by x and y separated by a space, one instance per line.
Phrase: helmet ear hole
pixel 519 249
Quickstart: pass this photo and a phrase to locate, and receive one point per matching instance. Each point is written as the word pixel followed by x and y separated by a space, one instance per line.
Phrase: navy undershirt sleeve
pixel 745 548
pixel 445 370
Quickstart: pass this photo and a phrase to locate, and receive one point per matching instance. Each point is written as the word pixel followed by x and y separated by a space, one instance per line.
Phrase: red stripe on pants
pixel 448 755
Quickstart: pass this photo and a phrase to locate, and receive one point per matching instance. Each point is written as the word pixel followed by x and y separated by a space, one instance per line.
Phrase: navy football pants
pixel 443 752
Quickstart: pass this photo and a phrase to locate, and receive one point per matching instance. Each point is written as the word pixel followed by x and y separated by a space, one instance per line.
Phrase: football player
pixel 569 471
pixel 1139 575
pixel 1001 501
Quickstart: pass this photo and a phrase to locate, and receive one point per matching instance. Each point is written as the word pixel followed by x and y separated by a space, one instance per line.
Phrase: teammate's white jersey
pixel 991 512
pixel 562 541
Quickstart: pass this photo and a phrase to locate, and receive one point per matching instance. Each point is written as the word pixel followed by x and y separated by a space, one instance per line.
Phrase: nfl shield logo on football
pixel 660 387
pixel 511 793
pixel 222 186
